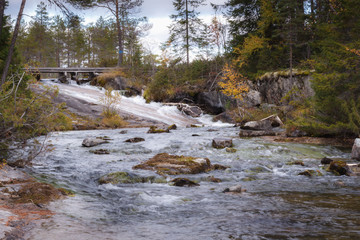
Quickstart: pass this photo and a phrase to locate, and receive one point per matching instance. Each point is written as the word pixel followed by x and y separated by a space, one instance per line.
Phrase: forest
pixel 245 40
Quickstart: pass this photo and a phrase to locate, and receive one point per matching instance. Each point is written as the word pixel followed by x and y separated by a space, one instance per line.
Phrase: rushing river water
pixel 278 203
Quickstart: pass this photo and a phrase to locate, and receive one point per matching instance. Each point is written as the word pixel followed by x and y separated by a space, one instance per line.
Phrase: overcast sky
pixel 157 11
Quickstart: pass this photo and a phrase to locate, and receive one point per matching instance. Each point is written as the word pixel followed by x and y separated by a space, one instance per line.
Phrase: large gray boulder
pixel 263 124
pixel 213 102
pixel 91 142
pixel 355 153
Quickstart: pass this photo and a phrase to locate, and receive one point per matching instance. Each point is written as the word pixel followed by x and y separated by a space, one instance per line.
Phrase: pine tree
pixel 186 29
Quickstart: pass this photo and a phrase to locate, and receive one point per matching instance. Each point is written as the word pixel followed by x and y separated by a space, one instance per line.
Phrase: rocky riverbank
pixel 23 202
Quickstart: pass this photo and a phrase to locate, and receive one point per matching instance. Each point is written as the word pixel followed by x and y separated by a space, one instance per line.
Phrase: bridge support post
pixel 91 76
pixel 73 76
pixel 63 77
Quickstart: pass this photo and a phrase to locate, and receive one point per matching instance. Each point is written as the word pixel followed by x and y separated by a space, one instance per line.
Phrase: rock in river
pixel 263 124
pixel 339 168
pixel 181 182
pixel 355 154
pixel 234 189
pixel 91 142
pixel 135 140
pixel 222 142
pixel 164 163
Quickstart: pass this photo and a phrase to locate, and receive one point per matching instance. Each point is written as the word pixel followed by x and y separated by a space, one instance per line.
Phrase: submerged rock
pixel 164 163
pixel 339 168
pixel 326 160
pixel 234 189
pixel 231 150
pixel 135 140
pixel 213 179
pixel 127 178
pixel 100 151
pixel 355 153
pixel 91 142
pixel 181 182
pixel 256 133
pixel 310 173
pixel 222 143
pixel 154 129
pixel 301 163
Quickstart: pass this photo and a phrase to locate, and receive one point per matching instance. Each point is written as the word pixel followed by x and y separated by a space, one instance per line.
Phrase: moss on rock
pixel 165 164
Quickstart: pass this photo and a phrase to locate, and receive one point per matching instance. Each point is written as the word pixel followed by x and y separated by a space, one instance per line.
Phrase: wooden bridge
pixel 65 72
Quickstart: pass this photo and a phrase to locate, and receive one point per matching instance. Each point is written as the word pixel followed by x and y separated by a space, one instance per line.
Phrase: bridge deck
pixel 63 70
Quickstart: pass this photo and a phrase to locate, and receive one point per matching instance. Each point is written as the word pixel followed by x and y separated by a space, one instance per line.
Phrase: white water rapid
pixel 134 105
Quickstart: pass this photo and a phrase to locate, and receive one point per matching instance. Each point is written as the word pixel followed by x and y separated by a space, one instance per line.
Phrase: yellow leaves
pixel 233 83
pixel 354 51
pixel 250 46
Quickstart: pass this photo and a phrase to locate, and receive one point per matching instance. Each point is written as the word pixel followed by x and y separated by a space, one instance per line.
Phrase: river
pixel 278 204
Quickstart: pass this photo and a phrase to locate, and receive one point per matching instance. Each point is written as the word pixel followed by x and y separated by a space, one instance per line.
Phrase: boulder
pixel 252 98
pixel 264 124
pixel 91 142
pixel 355 153
pixel 222 143
pixel 326 160
pixel 135 140
pixel 193 111
pixel 213 102
pixel 164 163
pixel 181 182
pixel 339 168
pixel 234 189
pixel 224 117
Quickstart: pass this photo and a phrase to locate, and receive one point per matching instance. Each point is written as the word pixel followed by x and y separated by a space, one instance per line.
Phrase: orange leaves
pixel 233 83
pixel 355 51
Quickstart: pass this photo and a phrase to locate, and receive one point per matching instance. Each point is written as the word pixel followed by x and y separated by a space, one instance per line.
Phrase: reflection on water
pixel 278 203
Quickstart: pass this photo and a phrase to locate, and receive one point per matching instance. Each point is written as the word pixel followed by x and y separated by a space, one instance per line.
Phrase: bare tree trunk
pixel 119 30
pixel 2 10
pixel 12 44
pixel 187 32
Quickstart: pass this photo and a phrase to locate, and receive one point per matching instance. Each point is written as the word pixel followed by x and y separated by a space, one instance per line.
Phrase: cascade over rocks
pixel 193 111
pixel 355 153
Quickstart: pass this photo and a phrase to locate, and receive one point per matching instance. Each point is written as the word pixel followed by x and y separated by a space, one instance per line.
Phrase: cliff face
pixel 278 88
